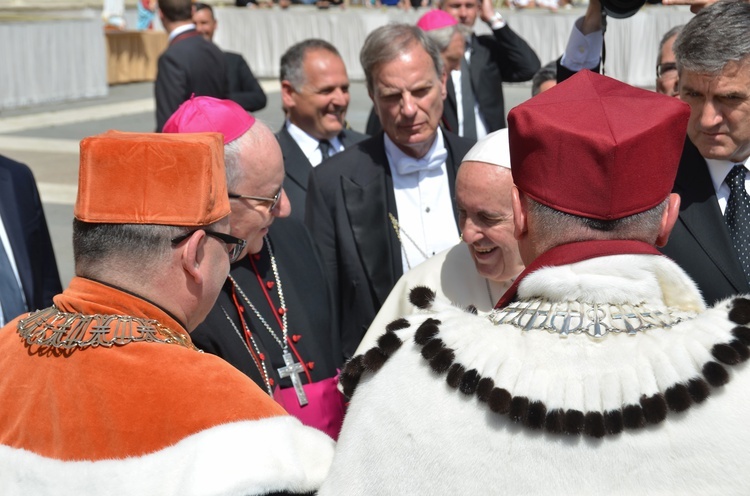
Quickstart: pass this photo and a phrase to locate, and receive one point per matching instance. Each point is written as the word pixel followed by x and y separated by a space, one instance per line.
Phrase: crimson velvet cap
pixel 204 114
pixel 150 178
pixel 598 148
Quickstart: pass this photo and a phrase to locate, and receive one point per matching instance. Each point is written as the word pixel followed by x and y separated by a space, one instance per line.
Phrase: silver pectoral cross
pixel 293 370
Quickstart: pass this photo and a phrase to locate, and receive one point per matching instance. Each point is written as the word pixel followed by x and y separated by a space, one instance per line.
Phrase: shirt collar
pixel 179 30
pixel 397 156
pixel 719 169
pixel 306 142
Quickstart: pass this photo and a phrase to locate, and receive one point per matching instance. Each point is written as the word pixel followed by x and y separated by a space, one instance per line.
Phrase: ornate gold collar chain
pixel 56 329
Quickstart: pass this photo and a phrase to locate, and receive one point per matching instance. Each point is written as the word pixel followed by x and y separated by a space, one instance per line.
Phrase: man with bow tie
pixel 385 205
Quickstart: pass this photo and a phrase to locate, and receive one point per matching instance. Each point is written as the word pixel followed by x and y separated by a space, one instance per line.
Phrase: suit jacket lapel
pixel 368 197
pixel 479 59
pixel 346 139
pixel 15 233
pixel 702 217
pixel 450 114
pixel 296 165
pixel 451 165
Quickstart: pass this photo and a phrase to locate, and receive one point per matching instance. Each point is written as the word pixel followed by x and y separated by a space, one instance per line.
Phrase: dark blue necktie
pixel 10 293
pixel 326 149
pixel 467 102
pixel 737 216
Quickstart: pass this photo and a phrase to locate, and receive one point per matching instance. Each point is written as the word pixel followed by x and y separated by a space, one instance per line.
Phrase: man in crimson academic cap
pixel 104 392
pixel 595 372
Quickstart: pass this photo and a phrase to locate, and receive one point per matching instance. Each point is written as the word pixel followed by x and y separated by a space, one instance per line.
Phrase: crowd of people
pixel 448 303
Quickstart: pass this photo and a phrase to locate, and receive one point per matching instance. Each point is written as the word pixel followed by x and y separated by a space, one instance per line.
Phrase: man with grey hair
pixel 667 79
pixel 315 97
pixel 600 371
pixel 385 205
pixel 711 239
pixel 489 60
pixel 280 269
pixel 450 38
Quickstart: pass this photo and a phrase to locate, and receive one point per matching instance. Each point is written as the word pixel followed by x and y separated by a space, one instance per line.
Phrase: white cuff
pixel 583 51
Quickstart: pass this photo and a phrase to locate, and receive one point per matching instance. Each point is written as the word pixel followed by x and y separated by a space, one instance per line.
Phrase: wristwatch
pixel 496 21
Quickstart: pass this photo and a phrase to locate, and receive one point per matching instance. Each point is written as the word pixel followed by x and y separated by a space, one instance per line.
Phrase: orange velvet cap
pixel 149 178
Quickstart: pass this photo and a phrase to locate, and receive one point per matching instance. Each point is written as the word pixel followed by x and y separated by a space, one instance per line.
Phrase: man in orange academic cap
pixel 594 373
pixel 104 392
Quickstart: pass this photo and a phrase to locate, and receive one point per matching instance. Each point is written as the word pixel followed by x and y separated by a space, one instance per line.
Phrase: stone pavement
pixel 46 139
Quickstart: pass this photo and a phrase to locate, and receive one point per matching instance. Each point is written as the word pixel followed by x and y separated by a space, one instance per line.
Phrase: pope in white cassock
pixel 482 266
pixel 601 371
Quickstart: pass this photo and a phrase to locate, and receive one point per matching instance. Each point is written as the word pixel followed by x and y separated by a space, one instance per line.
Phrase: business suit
pixel 700 242
pixel 297 167
pixel 190 65
pixel 244 89
pixel 501 56
pixel 348 201
pixel 24 222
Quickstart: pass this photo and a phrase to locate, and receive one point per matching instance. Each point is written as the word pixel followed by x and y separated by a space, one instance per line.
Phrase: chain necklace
pixel 54 328
pixel 399 231
pixel 593 319
pixel 291 369
pixel 282 341
pixel 258 357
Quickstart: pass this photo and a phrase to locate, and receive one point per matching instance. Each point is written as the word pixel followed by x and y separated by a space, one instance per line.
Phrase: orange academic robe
pixel 143 417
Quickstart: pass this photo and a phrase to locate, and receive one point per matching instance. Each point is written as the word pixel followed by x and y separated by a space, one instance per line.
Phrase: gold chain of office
pixel 53 328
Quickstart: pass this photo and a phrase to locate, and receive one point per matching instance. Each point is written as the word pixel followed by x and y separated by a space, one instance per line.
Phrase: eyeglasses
pixel 234 244
pixel 271 202
pixel 667 68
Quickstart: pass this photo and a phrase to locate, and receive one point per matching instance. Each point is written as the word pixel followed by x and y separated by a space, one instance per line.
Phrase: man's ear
pixel 520 225
pixel 668 219
pixel 287 95
pixel 192 255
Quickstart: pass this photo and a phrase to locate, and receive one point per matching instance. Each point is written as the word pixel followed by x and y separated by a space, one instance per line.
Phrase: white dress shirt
pixel 582 51
pixel 426 222
pixel 311 146
pixel 179 30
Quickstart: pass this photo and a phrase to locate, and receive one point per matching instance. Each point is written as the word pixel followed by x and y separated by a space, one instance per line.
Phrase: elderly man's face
pixel 205 23
pixel 465 11
pixel 667 82
pixel 483 197
pixel 454 52
pixel 319 106
pixel 263 175
pixel 408 97
pixel 719 124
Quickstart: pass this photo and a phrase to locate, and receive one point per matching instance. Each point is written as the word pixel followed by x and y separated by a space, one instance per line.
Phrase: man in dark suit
pixel 315 97
pixel 715 86
pixel 243 87
pixel 386 204
pixel 490 60
pixel 28 247
pixel 190 64
pixel 710 240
